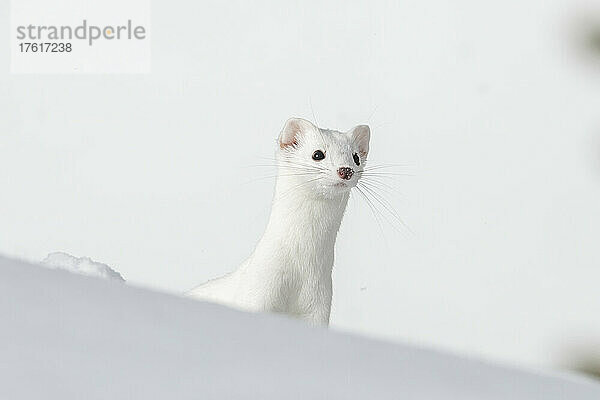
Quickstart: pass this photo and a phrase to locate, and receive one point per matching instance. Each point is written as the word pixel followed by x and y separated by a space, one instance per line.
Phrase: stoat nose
pixel 345 172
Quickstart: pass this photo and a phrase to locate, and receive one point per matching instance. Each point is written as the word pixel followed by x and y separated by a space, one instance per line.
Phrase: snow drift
pixel 81 265
pixel 64 336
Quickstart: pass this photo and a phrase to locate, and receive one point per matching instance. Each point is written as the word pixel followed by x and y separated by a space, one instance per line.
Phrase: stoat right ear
pixel 293 129
pixel 361 135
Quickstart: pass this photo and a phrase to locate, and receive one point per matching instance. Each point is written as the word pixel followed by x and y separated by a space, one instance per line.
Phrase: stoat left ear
pixel 293 130
pixel 361 136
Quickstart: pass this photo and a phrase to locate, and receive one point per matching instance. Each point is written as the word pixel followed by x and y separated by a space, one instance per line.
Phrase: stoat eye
pixel 318 155
pixel 356 158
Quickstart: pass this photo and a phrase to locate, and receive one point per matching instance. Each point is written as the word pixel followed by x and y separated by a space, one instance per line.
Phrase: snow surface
pixel 81 265
pixel 64 336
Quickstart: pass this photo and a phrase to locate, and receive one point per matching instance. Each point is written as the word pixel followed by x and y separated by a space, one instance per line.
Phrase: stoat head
pixel 324 162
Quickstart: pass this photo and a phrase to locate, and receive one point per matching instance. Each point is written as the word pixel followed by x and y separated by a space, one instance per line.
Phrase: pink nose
pixel 345 172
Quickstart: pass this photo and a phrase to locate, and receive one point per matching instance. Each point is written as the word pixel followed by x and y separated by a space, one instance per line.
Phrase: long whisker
pixel 387 206
pixel 368 196
pixel 290 165
pixel 382 174
pixel 376 181
pixel 382 166
pixel 278 175
pixel 390 190
pixel 294 188
pixel 373 113
pixel 293 162
pixel 373 209
pixel 316 123
pixel 287 167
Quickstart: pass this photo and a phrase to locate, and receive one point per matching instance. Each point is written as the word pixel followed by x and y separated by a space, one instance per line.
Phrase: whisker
pixel 383 174
pixel 292 161
pixel 293 189
pixel 372 114
pixel 375 181
pixel 278 175
pixel 388 207
pixel 390 190
pixel 290 165
pixel 369 196
pixel 373 209
pixel 383 166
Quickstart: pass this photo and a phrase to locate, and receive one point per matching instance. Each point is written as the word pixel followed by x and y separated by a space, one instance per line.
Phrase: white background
pixel 493 107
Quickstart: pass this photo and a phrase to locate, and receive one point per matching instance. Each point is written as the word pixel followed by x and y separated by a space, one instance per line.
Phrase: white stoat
pixel 290 269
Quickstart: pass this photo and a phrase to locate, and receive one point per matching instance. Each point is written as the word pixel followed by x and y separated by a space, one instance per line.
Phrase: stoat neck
pixel 303 227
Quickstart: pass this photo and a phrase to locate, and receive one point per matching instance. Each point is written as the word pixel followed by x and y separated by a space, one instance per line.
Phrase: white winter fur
pixel 290 269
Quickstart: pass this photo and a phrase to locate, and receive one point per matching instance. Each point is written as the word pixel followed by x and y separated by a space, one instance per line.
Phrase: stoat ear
pixel 293 129
pixel 361 136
